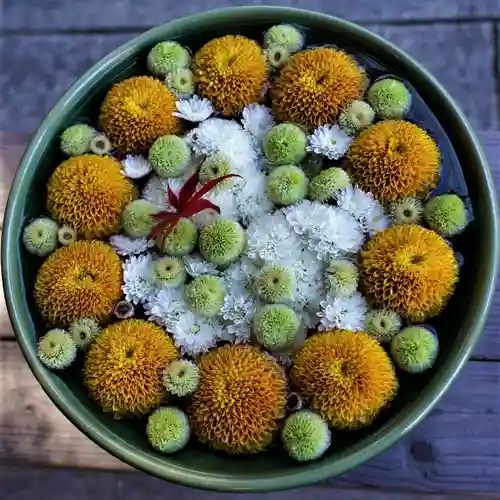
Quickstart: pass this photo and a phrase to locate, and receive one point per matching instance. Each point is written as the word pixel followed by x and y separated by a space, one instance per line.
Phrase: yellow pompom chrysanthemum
pixel 314 86
pixel 393 159
pixel 136 112
pixel 123 369
pixel 410 270
pixel 88 193
pixel 345 376
pixel 240 399
pixel 82 280
pixel 231 71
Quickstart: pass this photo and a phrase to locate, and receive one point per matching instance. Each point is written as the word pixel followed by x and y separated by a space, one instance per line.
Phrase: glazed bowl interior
pixel 459 326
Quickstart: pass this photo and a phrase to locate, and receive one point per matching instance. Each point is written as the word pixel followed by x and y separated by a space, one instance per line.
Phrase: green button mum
pixel 222 242
pixel 275 326
pixel 205 295
pixel 168 429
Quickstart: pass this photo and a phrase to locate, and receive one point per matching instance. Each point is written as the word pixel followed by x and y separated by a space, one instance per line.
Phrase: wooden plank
pixel 74 484
pixel 12 147
pixel 88 14
pixel 457 449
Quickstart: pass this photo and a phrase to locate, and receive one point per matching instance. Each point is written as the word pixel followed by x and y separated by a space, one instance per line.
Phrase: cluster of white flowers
pixel 303 237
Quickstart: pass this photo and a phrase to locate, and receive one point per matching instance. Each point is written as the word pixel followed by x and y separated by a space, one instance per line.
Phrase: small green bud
pixel 356 116
pixel 40 236
pixel 285 35
pixel 182 239
pixel 170 156
pixel 389 98
pixel 285 144
pixel 383 324
pixel 287 184
pixel 414 349
pixel 305 436
pixel 446 214
pixel 327 183
pixel 166 57
pixel 222 242
pixel 205 295
pixel 56 349
pixel 84 330
pixel 407 210
pixel 137 218
pixel 275 284
pixel 168 429
pixel 75 140
pixel 181 378
pixel 168 271
pixel 275 326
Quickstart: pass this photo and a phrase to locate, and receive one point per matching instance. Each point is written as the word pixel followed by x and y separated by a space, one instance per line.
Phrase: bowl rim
pixel 362 451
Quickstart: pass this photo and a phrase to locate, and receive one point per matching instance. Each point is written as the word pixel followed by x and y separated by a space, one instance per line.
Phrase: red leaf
pixel 198 206
pixel 165 215
pixel 187 191
pixel 172 198
pixel 210 185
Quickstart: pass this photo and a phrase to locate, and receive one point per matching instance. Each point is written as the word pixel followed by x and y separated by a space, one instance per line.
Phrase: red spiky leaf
pixel 187 191
pixel 172 198
pixel 198 206
pixel 210 185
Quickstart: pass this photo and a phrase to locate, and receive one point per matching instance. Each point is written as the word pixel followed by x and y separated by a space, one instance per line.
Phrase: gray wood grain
pixel 456 449
pixel 81 14
pixel 71 484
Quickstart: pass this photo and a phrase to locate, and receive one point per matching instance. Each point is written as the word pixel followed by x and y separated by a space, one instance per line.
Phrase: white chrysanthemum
pixel 238 276
pixel 137 287
pixel 136 166
pixel 124 245
pixel 194 109
pixel 252 200
pixel 344 313
pixel 309 288
pixel 330 141
pixel 326 230
pixel 196 266
pixel 271 239
pixel 257 119
pixel 216 135
pixel 155 191
pixel 165 305
pixel 364 208
pixel 238 311
pixel 194 335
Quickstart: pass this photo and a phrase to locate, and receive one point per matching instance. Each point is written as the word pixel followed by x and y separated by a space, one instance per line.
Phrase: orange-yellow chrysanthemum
pixel 89 193
pixel 136 112
pixel 240 399
pixel 410 270
pixel 314 86
pixel 82 280
pixel 394 158
pixel 123 369
pixel 231 71
pixel 345 376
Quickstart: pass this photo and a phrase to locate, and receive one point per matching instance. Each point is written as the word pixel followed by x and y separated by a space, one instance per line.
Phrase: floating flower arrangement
pixel 246 245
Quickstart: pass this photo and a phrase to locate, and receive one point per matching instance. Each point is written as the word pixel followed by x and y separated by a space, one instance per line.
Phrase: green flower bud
pixel 168 271
pixel 414 349
pixel 205 295
pixel 275 326
pixel 275 284
pixel 305 436
pixel 287 184
pixel 56 349
pixel 166 57
pixel 285 35
pixel 84 330
pixel 40 236
pixel 382 324
pixel 168 429
pixel 75 140
pixel 222 242
pixel 356 116
pixel 389 98
pixel 182 239
pixel 342 278
pixel 181 82
pixel 446 214
pixel 327 183
pixel 407 210
pixel 170 156
pixel 137 218
pixel 285 144
pixel 181 378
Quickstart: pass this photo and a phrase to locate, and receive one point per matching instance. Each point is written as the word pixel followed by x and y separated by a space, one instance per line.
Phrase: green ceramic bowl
pixel 197 466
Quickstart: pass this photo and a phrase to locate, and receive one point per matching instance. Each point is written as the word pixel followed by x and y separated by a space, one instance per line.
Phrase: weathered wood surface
pixel 456 449
pixel 72 484
pixel 39 15
pixel 12 147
